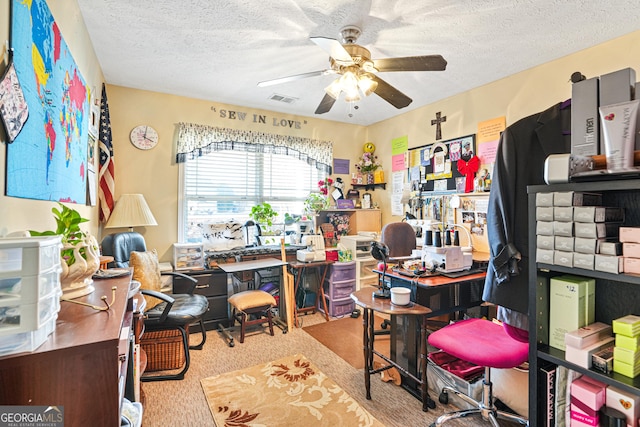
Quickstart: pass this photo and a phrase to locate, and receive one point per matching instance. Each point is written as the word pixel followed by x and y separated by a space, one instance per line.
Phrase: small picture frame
pixel 13 106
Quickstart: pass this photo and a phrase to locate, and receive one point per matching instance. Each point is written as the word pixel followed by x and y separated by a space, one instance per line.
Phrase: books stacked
pixel 626 353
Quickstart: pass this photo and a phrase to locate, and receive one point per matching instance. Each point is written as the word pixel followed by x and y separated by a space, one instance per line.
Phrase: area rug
pixel 290 391
pixel 344 338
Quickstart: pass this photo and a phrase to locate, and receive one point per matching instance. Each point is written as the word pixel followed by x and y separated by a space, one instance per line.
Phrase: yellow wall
pixel 155 174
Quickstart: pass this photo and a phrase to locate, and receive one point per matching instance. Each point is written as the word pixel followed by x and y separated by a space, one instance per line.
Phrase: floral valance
pixel 196 140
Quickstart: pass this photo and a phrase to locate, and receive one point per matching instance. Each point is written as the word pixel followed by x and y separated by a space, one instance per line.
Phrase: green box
pixel 628 325
pixel 626 369
pixel 625 355
pixel 571 306
pixel 630 343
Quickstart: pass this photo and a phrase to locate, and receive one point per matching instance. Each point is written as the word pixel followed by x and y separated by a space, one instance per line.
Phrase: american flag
pixel 106 176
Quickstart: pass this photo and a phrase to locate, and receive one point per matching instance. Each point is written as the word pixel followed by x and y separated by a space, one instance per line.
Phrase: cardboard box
pixel 628 325
pixel 586 261
pixel 544 256
pixel 603 360
pixel 544 228
pixel 596 230
pixel 624 341
pixel 563 258
pixel 609 263
pixel 631 250
pixel 626 369
pixel 571 306
pixel 625 402
pixel 597 214
pixel 563 228
pixel 587 397
pixel 563 213
pixel 629 234
pixel 621 354
pixel 544 213
pixel 576 198
pixel 615 87
pixel 610 248
pixel 585 121
pixel 586 245
pixel 545 242
pixel 583 356
pixel 544 199
pixel 562 243
pixel 588 335
pixel 631 265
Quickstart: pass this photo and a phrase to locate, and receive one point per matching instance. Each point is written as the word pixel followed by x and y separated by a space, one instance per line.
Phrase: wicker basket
pixel 164 350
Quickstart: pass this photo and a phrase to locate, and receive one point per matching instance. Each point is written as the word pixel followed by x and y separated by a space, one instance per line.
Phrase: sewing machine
pixel 314 250
pixel 447 259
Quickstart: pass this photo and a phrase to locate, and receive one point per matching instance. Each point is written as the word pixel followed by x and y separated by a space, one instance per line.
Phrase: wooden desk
pixel 83 364
pixel 364 298
pixel 298 269
pixel 443 296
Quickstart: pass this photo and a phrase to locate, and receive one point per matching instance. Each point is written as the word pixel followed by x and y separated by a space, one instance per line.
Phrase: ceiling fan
pixel 358 71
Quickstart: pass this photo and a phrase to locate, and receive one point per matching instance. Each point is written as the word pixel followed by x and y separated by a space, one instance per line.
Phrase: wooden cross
pixel 437 121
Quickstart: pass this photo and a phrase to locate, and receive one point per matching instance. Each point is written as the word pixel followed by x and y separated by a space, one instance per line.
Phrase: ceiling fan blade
pixel 334 49
pixel 390 94
pixel 295 77
pixel 326 104
pixel 411 63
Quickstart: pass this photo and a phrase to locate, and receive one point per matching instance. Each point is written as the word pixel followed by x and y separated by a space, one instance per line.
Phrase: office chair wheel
pixel 444 397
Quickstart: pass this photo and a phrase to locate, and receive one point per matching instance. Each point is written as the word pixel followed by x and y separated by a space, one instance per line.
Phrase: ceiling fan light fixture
pixel 334 89
pixel 352 97
pixel 367 85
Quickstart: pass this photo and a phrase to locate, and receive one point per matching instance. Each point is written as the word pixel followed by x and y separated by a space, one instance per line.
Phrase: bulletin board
pixel 433 167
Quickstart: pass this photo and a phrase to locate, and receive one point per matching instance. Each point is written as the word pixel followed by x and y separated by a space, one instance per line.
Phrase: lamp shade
pixel 131 210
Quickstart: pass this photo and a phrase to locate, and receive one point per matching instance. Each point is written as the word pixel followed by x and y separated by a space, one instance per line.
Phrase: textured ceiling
pixel 220 50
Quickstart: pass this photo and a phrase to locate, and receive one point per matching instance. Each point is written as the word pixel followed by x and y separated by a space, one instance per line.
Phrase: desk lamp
pixel 380 251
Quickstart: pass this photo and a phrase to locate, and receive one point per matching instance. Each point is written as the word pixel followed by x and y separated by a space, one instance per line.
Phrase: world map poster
pixel 48 158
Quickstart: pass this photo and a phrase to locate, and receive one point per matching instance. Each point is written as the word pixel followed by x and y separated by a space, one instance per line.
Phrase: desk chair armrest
pixel 191 282
pixel 164 297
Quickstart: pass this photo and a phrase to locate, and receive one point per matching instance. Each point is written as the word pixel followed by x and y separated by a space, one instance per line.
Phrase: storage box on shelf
pixel 188 256
pixel 29 291
pixel 616 293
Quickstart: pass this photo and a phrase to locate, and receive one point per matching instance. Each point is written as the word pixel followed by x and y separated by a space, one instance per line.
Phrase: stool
pixel 482 343
pixel 251 302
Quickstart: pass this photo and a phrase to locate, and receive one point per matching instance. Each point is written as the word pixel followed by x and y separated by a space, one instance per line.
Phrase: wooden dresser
pixel 82 366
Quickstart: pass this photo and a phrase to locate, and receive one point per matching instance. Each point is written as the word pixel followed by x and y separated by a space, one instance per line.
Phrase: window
pixel 224 185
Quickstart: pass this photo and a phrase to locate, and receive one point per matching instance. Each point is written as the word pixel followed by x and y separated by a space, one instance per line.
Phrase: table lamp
pixel 131 210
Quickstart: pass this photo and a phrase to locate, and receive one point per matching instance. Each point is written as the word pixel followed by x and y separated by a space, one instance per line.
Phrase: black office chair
pixel 400 238
pixel 175 311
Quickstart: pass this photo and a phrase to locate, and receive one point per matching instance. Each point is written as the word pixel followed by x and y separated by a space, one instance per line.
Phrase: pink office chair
pixel 487 344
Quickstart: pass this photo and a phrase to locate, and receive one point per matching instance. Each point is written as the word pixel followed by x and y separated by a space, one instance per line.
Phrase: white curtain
pixel 195 140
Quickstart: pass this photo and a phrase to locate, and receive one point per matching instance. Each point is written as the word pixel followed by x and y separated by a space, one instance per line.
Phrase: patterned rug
pixel 290 391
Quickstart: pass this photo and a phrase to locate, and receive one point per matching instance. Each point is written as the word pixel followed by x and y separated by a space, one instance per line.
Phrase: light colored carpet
pixel 182 403
pixel 290 391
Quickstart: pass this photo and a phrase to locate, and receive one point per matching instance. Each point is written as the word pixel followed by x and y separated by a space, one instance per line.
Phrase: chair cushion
pixel 186 309
pixel 251 299
pixel 146 270
pixel 481 342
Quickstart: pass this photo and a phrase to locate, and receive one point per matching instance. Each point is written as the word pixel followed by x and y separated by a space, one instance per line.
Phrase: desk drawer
pixel 209 284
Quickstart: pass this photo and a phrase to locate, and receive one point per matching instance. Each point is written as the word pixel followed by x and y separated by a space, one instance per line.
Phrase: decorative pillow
pixel 146 270
pixel 222 236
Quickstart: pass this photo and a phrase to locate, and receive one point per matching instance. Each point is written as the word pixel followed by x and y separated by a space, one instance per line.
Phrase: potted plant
pixel 79 257
pixel 263 214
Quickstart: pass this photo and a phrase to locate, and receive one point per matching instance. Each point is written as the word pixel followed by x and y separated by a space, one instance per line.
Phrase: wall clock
pixel 144 137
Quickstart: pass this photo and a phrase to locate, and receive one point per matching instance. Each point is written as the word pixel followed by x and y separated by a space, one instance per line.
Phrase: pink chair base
pixel 482 343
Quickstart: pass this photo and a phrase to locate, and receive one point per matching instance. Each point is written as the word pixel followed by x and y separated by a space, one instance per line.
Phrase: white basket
pixel 17 289
pixel 29 256
pixel 19 318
